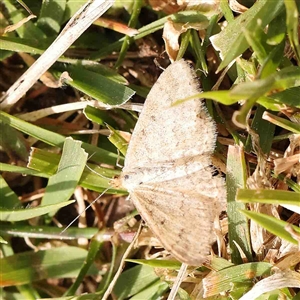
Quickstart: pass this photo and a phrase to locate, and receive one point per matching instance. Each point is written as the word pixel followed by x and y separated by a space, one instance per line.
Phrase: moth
pixel 168 170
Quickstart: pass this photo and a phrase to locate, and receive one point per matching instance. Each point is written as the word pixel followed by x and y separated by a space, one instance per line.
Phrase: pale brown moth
pixel 168 171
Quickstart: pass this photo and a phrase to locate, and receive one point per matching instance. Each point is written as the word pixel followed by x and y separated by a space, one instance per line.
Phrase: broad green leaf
pixel 8 199
pixel 51 16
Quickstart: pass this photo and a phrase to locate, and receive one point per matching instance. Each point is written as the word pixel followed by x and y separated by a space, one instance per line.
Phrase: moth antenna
pixel 65 229
pixel 91 156
pixel 118 159
pixel 100 175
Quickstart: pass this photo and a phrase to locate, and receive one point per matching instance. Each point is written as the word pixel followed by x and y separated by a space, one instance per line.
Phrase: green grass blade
pixel 28 30
pixel 15 215
pixel 226 10
pixel 116 138
pixel 13 142
pixel 17 44
pixel 282 80
pixel 223 280
pixel 199 51
pixel 2 240
pixel 99 87
pixel 23 170
pixel 268 196
pixel 157 263
pixel 183 17
pixel 238 229
pixel 62 185
pixel 292 19
pixel 54 139
pixel 133 281
pixel 137 5
pixel 155 291
pixel 231 41
pixel 98 116
pixel 95 246
pixel 32 266
pixel 264 130
pixel 290 183
pixel 94 177
pixel 289 97
pixel 46 232
pixel 284 123
pixel 273 225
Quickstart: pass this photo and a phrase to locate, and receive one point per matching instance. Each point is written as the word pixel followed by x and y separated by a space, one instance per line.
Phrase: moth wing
pixel 182 218
pixel 165 132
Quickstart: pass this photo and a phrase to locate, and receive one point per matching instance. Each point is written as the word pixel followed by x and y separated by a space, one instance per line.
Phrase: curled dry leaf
pixel 116 26
pixel 293 233
pixel 237 7
pixel 14 27
pixel 290 163
pixel 289 261
pixel 279 280
pixel 286 163
pixel 172 32
pixel 287 248
pixel 261 239
pixel 206 7
pixel 167 6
